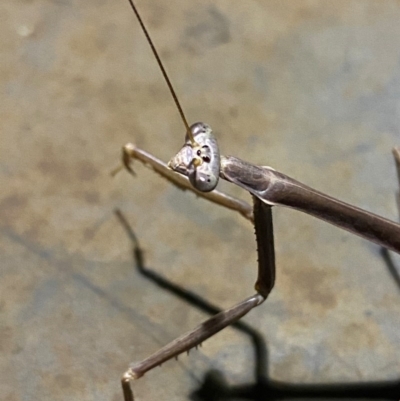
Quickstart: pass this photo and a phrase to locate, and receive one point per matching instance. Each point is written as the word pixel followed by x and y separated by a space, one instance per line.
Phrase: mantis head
pixel 199 160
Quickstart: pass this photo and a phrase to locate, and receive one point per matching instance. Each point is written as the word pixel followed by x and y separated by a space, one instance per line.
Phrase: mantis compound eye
pixel 200 162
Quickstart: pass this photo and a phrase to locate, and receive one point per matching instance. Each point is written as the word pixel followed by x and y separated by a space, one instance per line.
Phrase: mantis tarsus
pixel 268 188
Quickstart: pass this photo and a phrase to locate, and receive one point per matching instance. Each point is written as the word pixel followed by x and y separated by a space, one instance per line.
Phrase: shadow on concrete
pixel 393 271
pixel 214 386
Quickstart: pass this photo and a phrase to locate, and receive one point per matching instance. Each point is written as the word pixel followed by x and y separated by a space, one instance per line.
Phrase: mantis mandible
pixel 200 165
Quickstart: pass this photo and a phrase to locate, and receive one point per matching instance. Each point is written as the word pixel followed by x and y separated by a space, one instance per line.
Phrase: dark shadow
pixel 387 258
pixel 214 386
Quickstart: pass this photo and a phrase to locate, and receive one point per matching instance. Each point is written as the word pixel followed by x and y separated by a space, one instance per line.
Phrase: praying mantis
pixel 199 159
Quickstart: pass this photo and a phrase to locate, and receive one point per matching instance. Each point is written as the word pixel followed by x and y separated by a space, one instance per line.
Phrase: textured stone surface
pixel 309 87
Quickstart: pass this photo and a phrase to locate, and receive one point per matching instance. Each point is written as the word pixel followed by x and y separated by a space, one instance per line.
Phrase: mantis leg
pixel 393 270
pixel 396 155
pixel 265 282
pixel 131 152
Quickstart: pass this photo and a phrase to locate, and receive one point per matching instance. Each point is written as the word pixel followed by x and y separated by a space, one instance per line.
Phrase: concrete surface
pixel 311 88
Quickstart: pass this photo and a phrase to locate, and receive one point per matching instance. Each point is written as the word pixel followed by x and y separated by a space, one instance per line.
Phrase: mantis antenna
pixel 160 64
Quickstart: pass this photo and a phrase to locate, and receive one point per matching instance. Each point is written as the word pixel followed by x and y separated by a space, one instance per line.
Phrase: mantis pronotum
pixel 260 182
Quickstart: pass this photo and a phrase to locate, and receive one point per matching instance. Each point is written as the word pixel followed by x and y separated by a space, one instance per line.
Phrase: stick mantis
pixel 199 160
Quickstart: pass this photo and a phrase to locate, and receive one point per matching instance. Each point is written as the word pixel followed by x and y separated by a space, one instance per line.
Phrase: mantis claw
pixel 127 156
pixel 128 152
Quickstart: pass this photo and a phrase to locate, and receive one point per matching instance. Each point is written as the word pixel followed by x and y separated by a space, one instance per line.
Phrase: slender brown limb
pixel 396 155
pixel 387 257
pixel 195 337
pixel 265 282
pixel 265 247
pixel 187 341
pixel 130 152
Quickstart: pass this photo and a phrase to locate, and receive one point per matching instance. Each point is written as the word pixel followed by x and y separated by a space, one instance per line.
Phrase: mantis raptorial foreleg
pixel 130 152
pixel 265 282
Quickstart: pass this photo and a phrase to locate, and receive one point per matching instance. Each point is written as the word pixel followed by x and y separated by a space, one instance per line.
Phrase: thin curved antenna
pixel 160 64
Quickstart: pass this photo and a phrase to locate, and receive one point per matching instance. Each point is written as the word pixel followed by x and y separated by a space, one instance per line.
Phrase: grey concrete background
pixel 311 88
